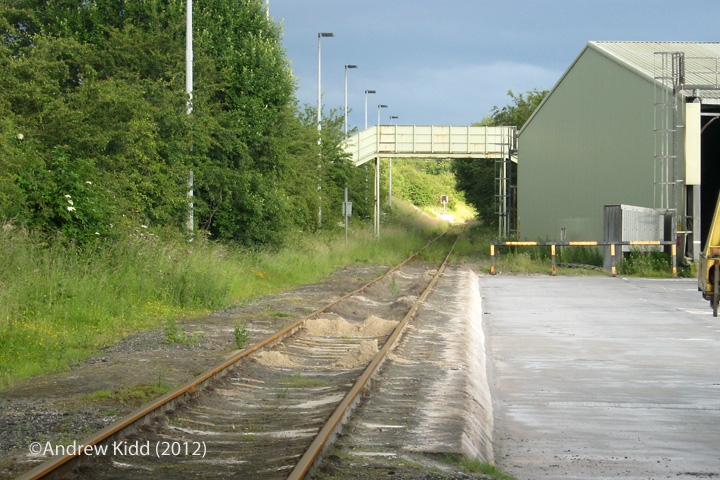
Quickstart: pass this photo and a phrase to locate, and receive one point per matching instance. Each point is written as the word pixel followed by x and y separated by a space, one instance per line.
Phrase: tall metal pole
pixel 191 215
pixel 346 95
pixel 189 105
pixel 377 197
pixel 319 92
pixel 366 94
pixel 319 121
pixel 377 178
pixel 378 122
pixel 392 117
pixel 188 55
pixel 367 186
pixel 345 213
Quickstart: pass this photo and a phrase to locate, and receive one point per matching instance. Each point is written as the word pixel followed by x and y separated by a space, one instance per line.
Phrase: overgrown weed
pixel 647 264
pixel 478 466
pixel 136 395
pixel 241 335
pixel 175 334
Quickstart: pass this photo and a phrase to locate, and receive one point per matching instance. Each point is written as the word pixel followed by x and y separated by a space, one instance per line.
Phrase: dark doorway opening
pixel 709 167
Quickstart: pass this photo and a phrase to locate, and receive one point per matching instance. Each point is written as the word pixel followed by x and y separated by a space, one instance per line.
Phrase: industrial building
pixel 629 126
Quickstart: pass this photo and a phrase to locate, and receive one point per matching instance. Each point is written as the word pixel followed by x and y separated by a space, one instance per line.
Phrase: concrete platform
pixel 431 395
pixel 598 377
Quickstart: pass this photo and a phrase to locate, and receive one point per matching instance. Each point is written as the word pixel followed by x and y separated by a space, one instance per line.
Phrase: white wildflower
pixel 68 197
pixel 88 182
pixel 20 136
pixel 143 226
pixel 71 209
pixel 70 202
pixel 97 233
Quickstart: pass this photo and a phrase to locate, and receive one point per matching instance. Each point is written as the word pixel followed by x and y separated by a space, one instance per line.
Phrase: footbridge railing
pixel 428 141
pixel 441 142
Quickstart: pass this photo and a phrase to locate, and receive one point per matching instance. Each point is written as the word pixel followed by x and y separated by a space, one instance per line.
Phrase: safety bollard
pixel 492 259
pixel 673 250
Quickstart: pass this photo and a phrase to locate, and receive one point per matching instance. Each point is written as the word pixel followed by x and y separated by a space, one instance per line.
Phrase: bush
pixel 647 264
pixel 581 255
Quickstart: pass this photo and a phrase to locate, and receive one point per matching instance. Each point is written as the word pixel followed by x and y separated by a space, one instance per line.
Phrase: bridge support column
pixel 390 183
pixel 377 196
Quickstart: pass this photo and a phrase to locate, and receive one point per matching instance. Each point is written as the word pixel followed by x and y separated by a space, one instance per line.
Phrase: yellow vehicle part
pixel 709 271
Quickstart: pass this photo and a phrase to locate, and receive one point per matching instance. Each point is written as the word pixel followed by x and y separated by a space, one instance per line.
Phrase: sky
pixel 449 62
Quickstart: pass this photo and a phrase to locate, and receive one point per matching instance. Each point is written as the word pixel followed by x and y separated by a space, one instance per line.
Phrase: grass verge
pixel 477 466
pixel 60 303
pixel 130 396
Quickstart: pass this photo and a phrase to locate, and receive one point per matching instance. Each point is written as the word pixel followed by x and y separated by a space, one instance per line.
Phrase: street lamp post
pixel 347 67
pixel 190 224
pixel 377 178
pixel 379 107
pixel 367 186
pixel 392 117
pixel 319 99
pixel 188 56
pixel 366 94
pixel 319 120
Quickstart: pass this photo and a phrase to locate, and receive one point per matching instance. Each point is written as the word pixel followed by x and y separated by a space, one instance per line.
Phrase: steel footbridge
pixel 442 142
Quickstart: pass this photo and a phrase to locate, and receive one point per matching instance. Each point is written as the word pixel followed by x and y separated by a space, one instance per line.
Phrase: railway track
pixel 270 410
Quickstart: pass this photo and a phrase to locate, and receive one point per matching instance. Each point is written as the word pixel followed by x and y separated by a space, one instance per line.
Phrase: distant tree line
pixel 94 134
pixel 477 179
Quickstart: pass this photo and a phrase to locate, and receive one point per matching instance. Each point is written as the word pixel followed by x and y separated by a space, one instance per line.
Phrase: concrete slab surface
pixel 599 377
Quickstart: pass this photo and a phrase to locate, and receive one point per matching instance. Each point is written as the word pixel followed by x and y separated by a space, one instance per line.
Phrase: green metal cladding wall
pixel 591 144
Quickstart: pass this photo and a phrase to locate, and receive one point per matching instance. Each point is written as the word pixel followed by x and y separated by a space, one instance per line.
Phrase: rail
pixel 613 245
pixel 345 406
pixel 63 464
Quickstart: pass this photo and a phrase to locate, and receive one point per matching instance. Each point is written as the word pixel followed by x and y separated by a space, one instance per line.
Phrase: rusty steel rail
pixel 612 245
pixel 344 408
pixel 62 464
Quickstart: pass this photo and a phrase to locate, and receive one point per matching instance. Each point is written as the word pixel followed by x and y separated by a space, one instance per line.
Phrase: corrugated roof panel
pixel 640 57
pixel 702 59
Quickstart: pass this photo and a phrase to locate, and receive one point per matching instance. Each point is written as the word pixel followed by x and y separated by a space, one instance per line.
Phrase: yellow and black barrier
pixel 554 245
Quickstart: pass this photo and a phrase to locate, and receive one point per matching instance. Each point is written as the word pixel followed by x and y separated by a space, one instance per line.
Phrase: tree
pixel 99 113
pixel 333 170
pixel 477 178
pixel 516 114
pixel 96 89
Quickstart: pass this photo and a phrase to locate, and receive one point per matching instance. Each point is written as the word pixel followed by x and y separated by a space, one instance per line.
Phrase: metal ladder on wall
pixel 669 76
pixel 504 190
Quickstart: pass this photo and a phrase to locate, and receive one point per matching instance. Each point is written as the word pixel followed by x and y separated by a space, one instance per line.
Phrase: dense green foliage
pixel 422 182
pixel 477 178
pixel 94 134
pixel 647 264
